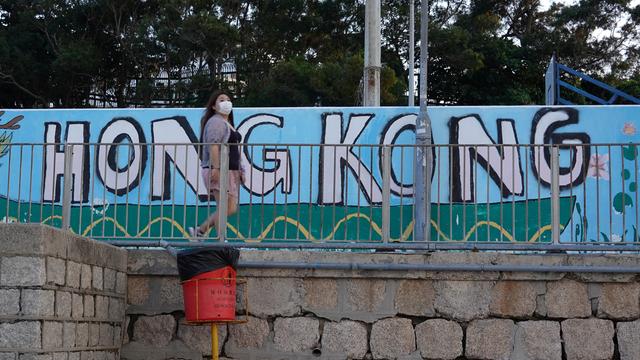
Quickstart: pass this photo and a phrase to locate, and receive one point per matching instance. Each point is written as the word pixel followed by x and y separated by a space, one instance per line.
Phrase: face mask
pixel 225 107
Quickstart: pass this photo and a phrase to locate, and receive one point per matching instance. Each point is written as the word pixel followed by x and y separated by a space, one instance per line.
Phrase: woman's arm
pixel 214 161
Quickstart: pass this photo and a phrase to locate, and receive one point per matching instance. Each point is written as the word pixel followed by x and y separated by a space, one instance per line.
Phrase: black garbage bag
pixel 194 262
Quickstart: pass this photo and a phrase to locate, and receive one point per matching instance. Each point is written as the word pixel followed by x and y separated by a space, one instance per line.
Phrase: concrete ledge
pixel 159 262
pixel 44 240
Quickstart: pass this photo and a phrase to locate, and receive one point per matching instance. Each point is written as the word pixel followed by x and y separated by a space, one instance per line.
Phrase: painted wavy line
pixel 306 233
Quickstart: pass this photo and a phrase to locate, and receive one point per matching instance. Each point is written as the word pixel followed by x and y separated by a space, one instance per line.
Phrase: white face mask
pixel 225 107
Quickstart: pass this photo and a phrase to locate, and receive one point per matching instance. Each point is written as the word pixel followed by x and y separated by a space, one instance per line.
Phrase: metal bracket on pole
pixel 386 193
pixel 224 196
pixel 66 192
pixel 555 195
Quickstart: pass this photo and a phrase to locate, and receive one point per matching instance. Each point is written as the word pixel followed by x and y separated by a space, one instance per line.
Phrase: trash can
pixel 208 279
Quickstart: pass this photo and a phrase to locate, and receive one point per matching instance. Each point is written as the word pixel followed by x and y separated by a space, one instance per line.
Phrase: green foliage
pixel 299 53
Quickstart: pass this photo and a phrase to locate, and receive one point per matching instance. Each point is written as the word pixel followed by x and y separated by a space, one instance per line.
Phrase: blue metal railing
pixel 554 86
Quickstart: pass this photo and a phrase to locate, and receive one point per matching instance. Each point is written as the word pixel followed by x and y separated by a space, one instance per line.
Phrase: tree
pixel 298 52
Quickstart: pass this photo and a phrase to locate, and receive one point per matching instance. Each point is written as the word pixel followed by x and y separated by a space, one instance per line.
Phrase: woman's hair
pixel 209 111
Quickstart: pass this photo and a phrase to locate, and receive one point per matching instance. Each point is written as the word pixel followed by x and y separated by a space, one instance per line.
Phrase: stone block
pixel 392 338
pixel 588 339
pixel 97 277
pixel 85 276
pixel 9 301
pixel 463 300
pixel 109 280
pixel 415 297
pixel 63 304
pixel 8 356
pixel 241 298
pixel 106 334
pixel 51 335
pixel 154 330
pixel 151 262
pixel 567 299
pixel 81 250
pixel 56 271
pixel 102 307
pixel 346 338
pixel 77 306
pixel 38 302
pixel 111 256
pixel 275 296
pixel 23 271
pixel 170 292
pixel 365 295
pixel 538 340
pixel 22 334
pixel 69 334
pixel 89 306
pixel 94 334
pixel 20 239
pixel 515 298
pixel 60 356
pixel 251 334
pixel 116 309
pixel 298 334
pixel 198 337
pixel 73 274
pixel 620 301
pixel 138 290
pixel 74 356
pixel 35 356
pixel 125 330
pixel 439 339
pixel 117 335
pixel 490 339
pixel 320 294
pixel 82 334
pixel 121 282
pixel 628 334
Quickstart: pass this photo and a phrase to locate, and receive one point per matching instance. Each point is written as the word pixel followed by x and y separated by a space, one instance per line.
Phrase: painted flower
pixel 616 238
pixel 5 142
pixel 599 167
pixel 629 129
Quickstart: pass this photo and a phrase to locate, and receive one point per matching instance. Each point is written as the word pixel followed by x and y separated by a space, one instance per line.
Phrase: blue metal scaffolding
pixel 554 84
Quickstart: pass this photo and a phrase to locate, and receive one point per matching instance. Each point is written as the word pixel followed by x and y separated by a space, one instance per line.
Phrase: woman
pixel 216 127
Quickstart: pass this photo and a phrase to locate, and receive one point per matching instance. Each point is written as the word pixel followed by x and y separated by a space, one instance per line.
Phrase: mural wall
pixel 314 191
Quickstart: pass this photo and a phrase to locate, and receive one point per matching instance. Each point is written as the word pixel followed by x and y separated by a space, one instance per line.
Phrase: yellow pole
pixel 214 341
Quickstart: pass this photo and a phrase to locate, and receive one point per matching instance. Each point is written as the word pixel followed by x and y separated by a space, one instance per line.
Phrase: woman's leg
pixel 212 221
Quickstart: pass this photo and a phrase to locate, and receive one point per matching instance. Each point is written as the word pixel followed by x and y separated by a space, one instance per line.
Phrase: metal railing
pixel 558 78
pixel 484 196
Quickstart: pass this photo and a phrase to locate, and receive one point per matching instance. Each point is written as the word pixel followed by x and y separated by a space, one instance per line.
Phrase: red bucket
pixel 211 296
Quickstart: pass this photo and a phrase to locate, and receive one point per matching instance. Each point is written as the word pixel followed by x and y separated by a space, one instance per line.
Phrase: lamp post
pixel 411 53
pixel 423 164
pixel 372 62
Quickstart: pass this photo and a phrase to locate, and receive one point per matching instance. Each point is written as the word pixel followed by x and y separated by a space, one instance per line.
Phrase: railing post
pixel 66 192
pixel 386 193
pixel 224 196
pixel 555 195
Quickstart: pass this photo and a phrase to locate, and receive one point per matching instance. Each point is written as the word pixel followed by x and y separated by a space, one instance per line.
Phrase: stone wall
pixel 62 297
pixel 298 314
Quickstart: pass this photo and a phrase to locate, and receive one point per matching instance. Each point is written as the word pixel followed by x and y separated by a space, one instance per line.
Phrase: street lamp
pixel 424 158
